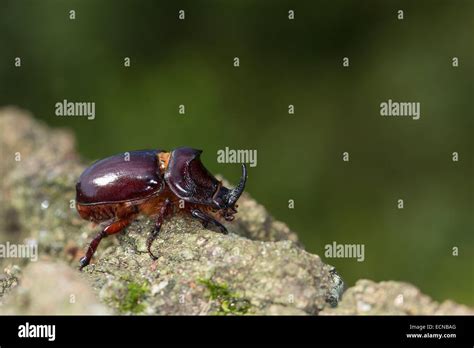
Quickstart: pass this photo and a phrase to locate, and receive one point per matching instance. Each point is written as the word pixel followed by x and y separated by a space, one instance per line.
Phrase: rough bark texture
pixel 259 268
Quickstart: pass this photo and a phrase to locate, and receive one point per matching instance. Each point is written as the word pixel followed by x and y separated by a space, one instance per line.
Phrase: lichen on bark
pixel 260 264
pixel 260 267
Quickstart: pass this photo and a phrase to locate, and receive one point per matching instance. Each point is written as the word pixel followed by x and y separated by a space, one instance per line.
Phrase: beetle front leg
pixel 113 228
pixel 206 219
pixel 156 230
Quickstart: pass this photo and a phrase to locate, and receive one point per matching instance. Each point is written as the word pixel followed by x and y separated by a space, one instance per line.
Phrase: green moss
pixel 228 302
pixel 132 302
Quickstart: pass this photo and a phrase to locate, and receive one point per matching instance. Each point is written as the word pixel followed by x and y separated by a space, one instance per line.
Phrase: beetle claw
pixel 153 256
pixel 149 243
pixel 83 262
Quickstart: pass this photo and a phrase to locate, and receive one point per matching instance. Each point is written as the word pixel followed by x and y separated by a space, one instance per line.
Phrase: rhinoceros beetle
pixel 157 183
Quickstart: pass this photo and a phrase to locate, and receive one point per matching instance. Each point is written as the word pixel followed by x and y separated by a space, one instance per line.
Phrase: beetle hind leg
pixel 206 219
pixel 114 227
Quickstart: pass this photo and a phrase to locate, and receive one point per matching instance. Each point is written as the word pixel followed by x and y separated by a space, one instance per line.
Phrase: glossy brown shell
pixel 116 179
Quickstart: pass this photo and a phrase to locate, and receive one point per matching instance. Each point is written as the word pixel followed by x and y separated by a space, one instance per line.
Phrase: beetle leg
pixel 113 228
pixel 156 230
pixel 206 219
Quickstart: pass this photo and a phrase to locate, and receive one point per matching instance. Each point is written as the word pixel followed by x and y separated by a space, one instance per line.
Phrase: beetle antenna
pixel 235 193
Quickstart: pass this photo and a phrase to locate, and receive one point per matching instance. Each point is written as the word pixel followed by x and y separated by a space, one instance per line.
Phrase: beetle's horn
pixel 235 193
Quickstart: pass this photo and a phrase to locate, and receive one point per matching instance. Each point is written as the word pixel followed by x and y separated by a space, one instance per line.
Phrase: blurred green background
pixel 282 62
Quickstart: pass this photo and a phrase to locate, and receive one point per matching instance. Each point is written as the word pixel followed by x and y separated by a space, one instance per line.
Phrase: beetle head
pixel 225 199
